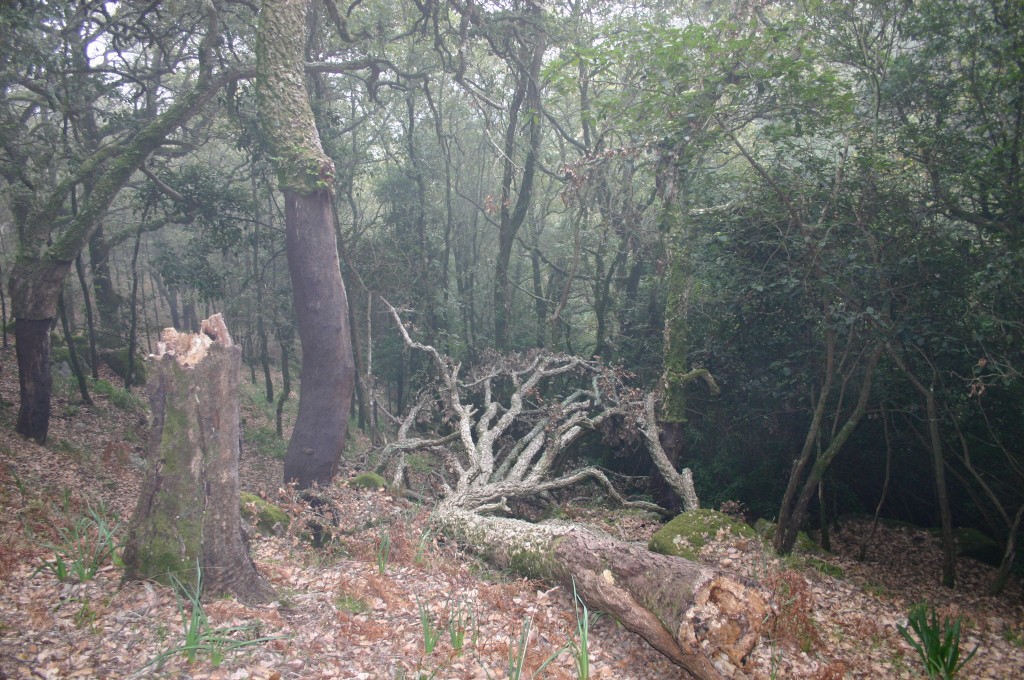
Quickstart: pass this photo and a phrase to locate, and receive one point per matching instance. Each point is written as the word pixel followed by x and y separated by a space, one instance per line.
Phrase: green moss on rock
pixel 687 533
pixel 973 543
pixel 368 480
pixel 117 360
pixel 804 543
pixel 268 518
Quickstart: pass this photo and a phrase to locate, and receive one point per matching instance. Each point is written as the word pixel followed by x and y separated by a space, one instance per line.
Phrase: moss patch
pixel 804 543
pixel 117 360
pixel 368 480
pixel 973 543
pixel 268 518
pixel 685 535
pixel 826 568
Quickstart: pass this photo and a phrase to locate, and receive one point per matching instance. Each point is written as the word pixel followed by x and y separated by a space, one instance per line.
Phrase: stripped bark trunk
pixel 188 510
pixel 703 619
pixel 306 175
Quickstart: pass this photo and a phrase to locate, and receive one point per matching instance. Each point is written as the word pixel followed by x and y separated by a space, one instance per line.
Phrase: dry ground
pixel 350 611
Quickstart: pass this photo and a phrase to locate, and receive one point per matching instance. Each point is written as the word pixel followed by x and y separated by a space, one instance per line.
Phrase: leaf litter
pixel 346 611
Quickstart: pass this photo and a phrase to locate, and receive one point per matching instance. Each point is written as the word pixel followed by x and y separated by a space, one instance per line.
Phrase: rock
pixel 368 480
pixel 268 518
pixel 688 532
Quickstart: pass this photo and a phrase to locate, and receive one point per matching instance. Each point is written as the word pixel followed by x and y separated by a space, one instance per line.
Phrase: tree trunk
pixel 34 287
pixel 786 533
pixel 32 343
pixel 45 256
pixel 108 304
pixel 703 619
pixel 327 376
pixel 188 510
pixel 680 483
pixel 927 393
pixel 1009 556
pixel 305 174
pixel 284 338
pixel 76 365
pixel 513 211
pixel 94 363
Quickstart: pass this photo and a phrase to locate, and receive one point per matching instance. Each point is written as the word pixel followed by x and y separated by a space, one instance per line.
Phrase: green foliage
pixel 117 360
pixel 383 551
pixel 345 602
pixel 368 480
pixel 85 543
pixel 264 440
pixel 86 615
pixel 937 643
pixel 119 397
pixel 431 632
pixel 826 568
pixel 199 636
pixel 463 618
pixel 580 646
pixel 517 654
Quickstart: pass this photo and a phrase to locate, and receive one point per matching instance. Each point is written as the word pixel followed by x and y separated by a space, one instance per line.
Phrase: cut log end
pixel 191 348
pixel 726 618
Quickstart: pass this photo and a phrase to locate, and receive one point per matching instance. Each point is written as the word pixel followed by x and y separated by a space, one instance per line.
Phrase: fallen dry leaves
pixel 340 616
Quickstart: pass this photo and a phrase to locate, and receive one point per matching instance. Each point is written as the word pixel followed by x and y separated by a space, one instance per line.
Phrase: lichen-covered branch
pixel 511 424
pixel 510 439
pixel 680 482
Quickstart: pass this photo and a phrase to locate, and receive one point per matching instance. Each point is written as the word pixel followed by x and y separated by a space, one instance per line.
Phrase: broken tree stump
pixel 188 510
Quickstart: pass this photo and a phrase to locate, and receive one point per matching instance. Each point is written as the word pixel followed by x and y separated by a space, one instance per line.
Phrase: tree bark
pixel 327 376
pixel 786 533
pixel 527 65
pixel 681 483
pixel 40 267
pixel 76 365
pixel 94 363
pixel 32 344
pixel 927 393
pixel 306 174
pixel 188 510
pixel 703 619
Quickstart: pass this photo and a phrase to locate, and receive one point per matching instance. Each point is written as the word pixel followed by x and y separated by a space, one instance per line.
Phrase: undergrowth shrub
pixel 937 643
pixel 85 542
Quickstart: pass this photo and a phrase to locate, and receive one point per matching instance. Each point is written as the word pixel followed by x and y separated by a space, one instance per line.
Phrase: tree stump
pixel 188 511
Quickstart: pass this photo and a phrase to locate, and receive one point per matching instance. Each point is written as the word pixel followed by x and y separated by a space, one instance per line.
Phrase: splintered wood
pixel 191 348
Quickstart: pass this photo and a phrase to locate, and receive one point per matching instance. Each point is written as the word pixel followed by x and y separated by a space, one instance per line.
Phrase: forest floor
pixel 368 604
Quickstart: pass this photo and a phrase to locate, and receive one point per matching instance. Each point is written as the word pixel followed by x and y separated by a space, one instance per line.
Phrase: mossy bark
pixel 306 175
pixel 51 242
pixel 188 511
pixel 703 619
pixel 676 374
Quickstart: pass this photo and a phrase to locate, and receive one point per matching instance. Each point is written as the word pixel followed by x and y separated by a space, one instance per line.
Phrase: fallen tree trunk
pixel 703 619
pixel 512 423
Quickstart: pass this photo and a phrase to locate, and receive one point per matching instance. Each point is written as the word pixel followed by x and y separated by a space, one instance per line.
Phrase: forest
pixel 479 302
